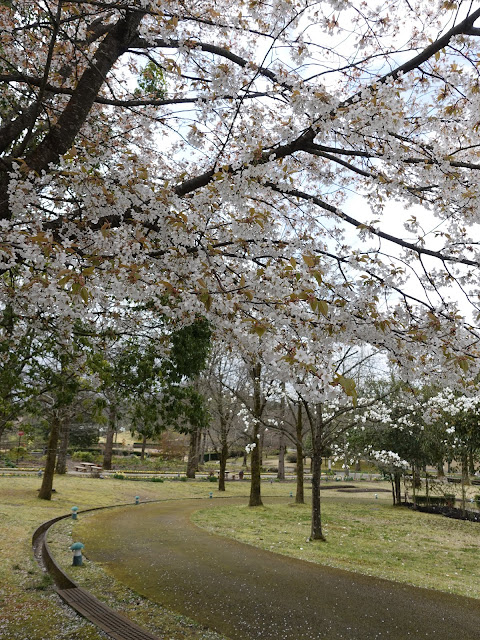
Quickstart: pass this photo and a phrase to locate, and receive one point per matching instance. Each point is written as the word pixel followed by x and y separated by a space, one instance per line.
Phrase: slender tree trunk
pixel 471 463
pixel 316 532
pixel 398 488
pixel 281 457
pixel 61 467
pixel 414 486
pixel 45 492
pixel 465 469
pixel 192 461
pixel 300 493
pixel 465 482
pixel 200 450
pixel 111 427
pixel 144 442
pixel 393 488
pixel 440 471
pixel 223 465
pixel 223 441
pixel 255 484
pixel 417 480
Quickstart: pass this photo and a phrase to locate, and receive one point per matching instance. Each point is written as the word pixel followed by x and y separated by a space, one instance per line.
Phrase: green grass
pixel 365 535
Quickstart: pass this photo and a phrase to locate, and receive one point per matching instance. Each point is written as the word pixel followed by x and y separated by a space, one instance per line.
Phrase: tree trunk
pixel 192 454
pixel 281 457
pixel 223 465
pixel 465 474
pixel 255 484
pixel 300 494
pixel 200 456
pixel 45 492
pixel 440 471
pixel 255 488
pixel 61 467
pixel 261 442
pixel 144 442
pixel 316 533
pixel 398 487
pixel 393 488
pixel 471 463
pixel 414 486
pixel 111 428
pixel 465 482
pixel 417 480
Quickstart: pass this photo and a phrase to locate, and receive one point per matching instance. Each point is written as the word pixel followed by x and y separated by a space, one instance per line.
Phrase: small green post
pixel 210 495
pixel 77 547
pixel 74 513
pixel 137 499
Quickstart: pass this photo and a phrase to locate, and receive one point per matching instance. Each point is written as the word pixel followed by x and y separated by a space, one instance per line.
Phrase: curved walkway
pixel 250 594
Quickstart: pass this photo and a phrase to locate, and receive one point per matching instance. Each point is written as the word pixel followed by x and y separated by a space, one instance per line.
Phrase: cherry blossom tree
pixel 197 157
pixel 250 162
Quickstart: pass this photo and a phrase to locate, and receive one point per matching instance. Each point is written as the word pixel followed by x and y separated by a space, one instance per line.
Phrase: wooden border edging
pixel 82 601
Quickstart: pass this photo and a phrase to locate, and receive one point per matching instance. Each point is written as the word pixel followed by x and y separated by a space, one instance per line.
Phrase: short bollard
pixel 291 494
pixel 39 473
pixel 210 495
pixel 376 496
pixel 137 499
pixel 74 513
pixel 77 547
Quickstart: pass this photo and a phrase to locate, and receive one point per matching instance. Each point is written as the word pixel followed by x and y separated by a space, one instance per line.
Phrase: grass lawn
pixel 364 534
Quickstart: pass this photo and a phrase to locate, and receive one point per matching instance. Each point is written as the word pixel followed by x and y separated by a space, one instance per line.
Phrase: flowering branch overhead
pixel 205 157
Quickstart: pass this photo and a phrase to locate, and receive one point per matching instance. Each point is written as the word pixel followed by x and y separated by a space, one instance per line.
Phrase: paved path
pixel 251 594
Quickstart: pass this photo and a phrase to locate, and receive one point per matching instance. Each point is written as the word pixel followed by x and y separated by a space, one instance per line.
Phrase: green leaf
pixel 322 307
pixel 348 385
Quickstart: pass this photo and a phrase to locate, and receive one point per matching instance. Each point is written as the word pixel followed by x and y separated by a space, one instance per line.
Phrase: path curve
pixel 247 593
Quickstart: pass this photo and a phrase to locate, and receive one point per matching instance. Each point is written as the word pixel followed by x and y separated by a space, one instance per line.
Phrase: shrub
pixel 434 501
pixel 119 476
pixel 212 478
pixel 157 479
pixel 83 456
pixel 450 499
pixel 291 457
